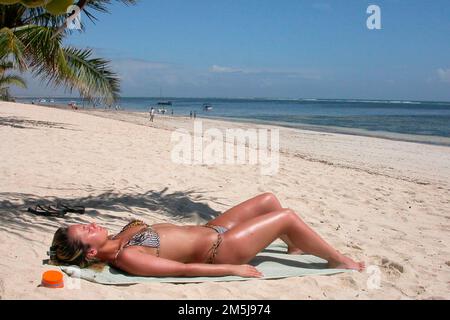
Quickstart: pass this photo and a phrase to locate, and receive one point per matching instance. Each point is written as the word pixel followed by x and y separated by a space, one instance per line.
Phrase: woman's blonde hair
pixel 67 251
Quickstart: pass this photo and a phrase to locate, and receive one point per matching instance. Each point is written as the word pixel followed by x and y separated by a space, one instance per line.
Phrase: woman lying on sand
pixel 222 247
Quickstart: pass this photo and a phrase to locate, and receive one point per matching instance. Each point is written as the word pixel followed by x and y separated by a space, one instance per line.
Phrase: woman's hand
pixel 137 263
pixel 246 271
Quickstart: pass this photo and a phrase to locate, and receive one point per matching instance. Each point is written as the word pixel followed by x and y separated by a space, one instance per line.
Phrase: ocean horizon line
pixel 368 100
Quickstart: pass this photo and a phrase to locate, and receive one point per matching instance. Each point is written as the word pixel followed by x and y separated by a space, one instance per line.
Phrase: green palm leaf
pixel 91 76
pixel 70 67
pixel 32 38
pixel 40 46
pixel 101 6
pixel 10 45
pixel 5 66
pixel 12 80
pixel 8 80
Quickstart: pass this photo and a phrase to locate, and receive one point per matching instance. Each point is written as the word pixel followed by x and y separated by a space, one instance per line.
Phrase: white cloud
pixel 218 69
pixel 141 77
pixel 443 74
pixel 290 73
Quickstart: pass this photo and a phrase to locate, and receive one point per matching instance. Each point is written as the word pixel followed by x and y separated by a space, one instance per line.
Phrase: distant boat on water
pixel 207 107
pixel 161 106
pixel 164 103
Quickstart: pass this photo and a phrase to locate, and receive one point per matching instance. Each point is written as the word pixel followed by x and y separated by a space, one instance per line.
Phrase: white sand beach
pixel 382 201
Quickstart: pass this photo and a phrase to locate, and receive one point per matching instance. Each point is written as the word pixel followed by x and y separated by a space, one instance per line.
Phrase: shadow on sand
pixel 21 123
pixel 109 209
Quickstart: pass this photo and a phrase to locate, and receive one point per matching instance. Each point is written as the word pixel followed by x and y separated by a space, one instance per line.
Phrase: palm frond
pixel 92 76
pixel 101 6
pixel 8 80
pixel 41 48
pixel 5 66
pixel 70 67
pixel 40 16
pixel 11 45
pixel 12 80
pixel 32 38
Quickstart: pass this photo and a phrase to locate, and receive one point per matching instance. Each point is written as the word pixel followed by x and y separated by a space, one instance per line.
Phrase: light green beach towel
pixel 273 262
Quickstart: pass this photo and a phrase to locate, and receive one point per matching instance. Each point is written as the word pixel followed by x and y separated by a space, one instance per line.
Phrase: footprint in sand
pixel 261 189
pixel 334 212
pixel 348 281
pixel 354 246
pixel 392 265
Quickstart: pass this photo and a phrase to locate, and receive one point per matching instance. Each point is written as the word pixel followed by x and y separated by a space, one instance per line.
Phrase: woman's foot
pixel 346 263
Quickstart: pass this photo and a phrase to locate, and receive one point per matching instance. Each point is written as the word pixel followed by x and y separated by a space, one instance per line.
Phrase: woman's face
pixel 89 234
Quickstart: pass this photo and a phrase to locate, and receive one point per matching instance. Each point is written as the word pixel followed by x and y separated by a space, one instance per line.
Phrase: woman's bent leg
pixel 252 208
pixel 257 233
pixel 247 210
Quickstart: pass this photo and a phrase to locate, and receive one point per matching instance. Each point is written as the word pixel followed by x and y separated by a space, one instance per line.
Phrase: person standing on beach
pixel 190 115
pixel 195 114
pixel 152 114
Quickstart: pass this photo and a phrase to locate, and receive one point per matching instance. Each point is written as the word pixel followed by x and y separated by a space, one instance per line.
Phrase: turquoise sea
pixel 405 120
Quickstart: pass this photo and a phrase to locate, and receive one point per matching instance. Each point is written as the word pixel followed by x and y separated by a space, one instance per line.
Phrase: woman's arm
pixel 142 264
pixel 202 269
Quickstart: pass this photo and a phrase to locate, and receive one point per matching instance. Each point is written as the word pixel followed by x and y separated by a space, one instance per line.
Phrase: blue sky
pixel 269 48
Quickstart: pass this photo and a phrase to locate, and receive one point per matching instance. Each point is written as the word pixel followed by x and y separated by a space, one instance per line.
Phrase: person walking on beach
pixel 190 114
pixel 195 114
pixel 221 247
pixel 152 114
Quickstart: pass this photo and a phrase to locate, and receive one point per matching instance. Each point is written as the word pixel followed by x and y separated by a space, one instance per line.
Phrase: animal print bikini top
pixel 147 237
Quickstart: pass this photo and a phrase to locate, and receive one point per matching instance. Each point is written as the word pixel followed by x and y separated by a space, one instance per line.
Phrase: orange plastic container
pixel 52 279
